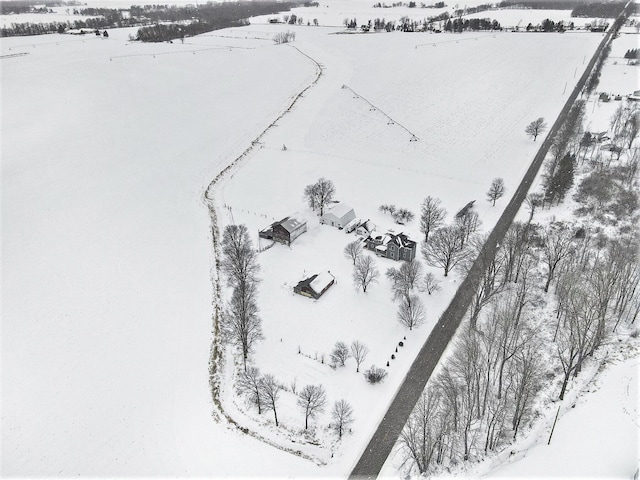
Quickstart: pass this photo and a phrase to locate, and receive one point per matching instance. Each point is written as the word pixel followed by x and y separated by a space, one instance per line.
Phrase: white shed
pixel 339 216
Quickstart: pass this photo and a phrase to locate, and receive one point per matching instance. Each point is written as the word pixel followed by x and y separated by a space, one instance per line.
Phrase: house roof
pixel 403 241
pixel 322 281
pixel 292 222
pixel 340 210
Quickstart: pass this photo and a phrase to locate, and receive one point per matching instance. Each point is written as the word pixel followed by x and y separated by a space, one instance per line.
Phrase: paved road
pixel 389 429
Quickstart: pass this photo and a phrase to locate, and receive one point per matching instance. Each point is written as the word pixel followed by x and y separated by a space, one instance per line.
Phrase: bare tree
pixel 340 353
pixel 411 312
pixel 365 272
pixel 420 436
pixel 319 194
pixel 342 416
pixel 431 216
pixel 556 247
pixel 359 352
pixel 496 190
pixel 249 384
pixel 405 278
pixel 270 391
pixel 239 261
pixel 353 250
pixel 492 268
pixel 240 323
pixel 466 225
pixel 526 372
pixel 533 202
pixel 444 249
pixel 312 400
pixel 430 283
pixel 402 216
pixel 535 128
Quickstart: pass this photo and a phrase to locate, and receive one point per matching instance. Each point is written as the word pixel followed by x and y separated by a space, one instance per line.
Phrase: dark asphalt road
pixel 389 429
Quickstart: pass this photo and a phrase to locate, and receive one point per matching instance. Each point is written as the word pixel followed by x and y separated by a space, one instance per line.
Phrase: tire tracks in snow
pixel 216 356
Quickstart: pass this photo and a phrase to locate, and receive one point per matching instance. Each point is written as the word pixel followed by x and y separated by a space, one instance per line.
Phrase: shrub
pixel 375 375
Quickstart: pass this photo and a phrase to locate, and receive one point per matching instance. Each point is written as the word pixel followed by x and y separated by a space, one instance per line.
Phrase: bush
pixel 375 375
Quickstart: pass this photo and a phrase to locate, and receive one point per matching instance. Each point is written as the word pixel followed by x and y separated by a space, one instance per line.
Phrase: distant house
pixel 635 96
pixel 339 216
pixel 286 230
pixel 315 285
pixel 366 228
pixel 395 247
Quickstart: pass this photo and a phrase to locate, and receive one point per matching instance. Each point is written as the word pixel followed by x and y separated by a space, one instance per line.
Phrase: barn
pixel 339 216
pixel 286 230
pixel 315 285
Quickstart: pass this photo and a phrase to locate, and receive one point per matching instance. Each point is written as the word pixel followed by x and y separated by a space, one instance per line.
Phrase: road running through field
pixel 375 454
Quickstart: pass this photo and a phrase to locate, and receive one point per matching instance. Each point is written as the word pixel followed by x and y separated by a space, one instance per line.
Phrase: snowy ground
pixel 106 311
pixel 335 134
pixel 106 298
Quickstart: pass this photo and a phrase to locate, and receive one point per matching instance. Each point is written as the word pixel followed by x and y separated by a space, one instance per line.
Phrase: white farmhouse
pixel 339 216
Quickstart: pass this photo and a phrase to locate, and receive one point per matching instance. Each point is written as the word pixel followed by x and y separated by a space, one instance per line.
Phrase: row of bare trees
pixel 264 393
pixel 241 325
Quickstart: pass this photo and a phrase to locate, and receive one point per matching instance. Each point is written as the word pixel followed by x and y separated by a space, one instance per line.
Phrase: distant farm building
pixel 366 228
pixel 395 247
pixel 286 230
pixel 339 216
pixel 315 285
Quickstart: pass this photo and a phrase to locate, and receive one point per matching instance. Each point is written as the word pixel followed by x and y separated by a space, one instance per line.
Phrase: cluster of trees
pixel 405 281
pixel 598 9
pixel 559 169
pixel 241 325
pixel 485 391
pixel 446 246
pixel 399 215
pixel 471 24
pixel 194 20
pixel 633 54
pixel 264 392
pixel 284 37
pixel 578 8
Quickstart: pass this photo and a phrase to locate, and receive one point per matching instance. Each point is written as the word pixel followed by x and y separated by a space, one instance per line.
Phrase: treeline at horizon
pixel 578 7
pixel 183 20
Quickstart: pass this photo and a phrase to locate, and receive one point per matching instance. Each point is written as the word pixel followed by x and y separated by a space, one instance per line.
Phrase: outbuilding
pixel 286 230
pixel 339 216
pixel 315 285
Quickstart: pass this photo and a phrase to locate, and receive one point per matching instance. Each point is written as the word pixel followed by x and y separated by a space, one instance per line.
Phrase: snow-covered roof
pixel 340 210
pixel 293 222
pixel 322 281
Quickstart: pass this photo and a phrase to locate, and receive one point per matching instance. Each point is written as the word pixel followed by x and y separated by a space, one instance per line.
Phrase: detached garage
pixel 339 216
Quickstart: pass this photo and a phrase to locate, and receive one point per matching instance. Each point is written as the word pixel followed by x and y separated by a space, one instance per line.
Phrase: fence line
pixel 390 121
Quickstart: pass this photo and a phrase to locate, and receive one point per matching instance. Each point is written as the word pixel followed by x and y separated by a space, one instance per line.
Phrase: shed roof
pixel 293 222
pixel 339 210
pixel 322 281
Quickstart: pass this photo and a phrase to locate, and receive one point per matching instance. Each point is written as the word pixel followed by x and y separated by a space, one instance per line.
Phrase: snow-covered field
pixel 106 296
pixel 107 148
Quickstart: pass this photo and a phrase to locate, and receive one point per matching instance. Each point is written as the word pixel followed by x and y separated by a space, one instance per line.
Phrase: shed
pixel 339 216
pixel 286 230
pixel 315 285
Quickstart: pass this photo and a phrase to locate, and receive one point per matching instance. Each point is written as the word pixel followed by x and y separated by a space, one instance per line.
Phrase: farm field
pixel 106 311
pixel 467 131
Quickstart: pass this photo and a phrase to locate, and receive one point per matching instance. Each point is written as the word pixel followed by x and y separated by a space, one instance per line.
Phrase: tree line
pixel 509 353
